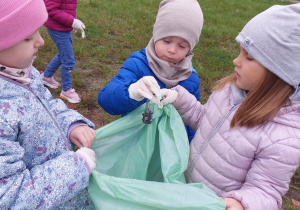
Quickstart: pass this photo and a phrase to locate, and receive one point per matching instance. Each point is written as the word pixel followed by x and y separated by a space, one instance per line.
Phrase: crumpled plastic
pixel 141 166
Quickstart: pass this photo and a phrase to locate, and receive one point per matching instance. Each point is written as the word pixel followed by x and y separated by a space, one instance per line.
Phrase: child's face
pixel 248 71
pixel 172 49
pixel 21 54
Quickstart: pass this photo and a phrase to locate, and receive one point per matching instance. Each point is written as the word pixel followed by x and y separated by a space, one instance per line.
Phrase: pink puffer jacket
pixel 61 14
pixel 252 165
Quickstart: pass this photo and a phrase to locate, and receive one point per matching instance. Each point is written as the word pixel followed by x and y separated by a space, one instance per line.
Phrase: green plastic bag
pixel 141 166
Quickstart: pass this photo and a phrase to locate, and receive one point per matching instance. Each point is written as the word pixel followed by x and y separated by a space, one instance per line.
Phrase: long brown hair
pixel 262 103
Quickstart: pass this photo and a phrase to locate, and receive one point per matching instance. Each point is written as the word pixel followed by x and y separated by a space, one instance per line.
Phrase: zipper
pixel 33 92
pixel 208 140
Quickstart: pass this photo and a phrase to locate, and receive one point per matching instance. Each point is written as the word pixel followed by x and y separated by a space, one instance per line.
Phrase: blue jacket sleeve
pixel 114 97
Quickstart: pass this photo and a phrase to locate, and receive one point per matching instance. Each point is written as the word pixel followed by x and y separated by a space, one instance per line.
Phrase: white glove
pixel 78 25
pixel 168 95
pixel 88 155
pixel 145 88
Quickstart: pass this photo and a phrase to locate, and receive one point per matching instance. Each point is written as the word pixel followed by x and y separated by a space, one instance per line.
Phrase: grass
pixel 116 28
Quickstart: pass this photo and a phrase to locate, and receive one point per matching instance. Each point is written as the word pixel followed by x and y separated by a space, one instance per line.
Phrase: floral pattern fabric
pixel 39 170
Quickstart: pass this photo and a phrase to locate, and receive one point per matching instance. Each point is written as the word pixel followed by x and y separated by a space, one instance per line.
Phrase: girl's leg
pixel 56 61
pixel 67 66
pixel 65 49
pixel 47 75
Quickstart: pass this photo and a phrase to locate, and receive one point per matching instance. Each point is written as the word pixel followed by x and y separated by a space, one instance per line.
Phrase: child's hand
pixel 77 24
pixel 233 204
pixel 168 95
pixel 82 135
pixel 145 88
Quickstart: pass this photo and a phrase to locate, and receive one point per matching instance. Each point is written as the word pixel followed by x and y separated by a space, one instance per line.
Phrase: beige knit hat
pixel 182 18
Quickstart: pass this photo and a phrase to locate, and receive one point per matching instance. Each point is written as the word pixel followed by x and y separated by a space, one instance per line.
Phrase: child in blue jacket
pixel 38 168
pixel 164 63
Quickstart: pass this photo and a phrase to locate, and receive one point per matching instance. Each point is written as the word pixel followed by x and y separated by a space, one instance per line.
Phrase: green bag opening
pixel 140 166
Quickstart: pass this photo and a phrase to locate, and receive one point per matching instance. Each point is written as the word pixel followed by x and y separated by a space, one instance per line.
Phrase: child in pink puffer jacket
pixel 61 21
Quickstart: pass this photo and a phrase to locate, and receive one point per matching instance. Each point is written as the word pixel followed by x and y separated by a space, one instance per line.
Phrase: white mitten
pixel 169 96
pixel 77 24
pixel 145 88
pixel 88 155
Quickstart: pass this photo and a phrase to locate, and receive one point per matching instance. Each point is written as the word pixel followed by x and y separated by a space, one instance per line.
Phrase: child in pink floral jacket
pixel 39 169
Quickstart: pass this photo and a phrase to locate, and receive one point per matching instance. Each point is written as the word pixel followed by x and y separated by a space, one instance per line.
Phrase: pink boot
pixel 50 81
pixel 70 95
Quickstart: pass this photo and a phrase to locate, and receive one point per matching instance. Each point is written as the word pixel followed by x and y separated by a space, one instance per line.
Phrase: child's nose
pixel 172 49
pixel 236 61
pixel 40 42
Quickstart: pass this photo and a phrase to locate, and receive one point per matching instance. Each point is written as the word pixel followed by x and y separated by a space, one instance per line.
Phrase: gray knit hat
pixel 273 39
pixel 182 18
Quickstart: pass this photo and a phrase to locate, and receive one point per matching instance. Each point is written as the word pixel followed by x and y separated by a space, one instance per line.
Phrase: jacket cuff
pixel 86 164
pixel 74 125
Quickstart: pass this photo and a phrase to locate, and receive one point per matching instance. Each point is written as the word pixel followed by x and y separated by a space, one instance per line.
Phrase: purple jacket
pixel 252 165
pixel 61 14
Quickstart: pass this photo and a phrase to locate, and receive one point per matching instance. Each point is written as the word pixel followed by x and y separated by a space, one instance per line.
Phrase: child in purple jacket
pixel 61 21
pixel 247 142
